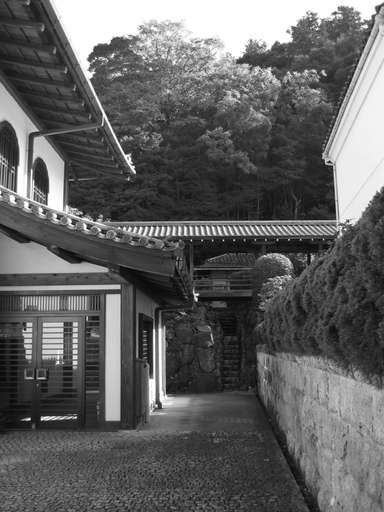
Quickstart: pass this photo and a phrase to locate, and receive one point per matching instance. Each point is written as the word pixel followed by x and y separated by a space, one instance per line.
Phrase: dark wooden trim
pixel 11 233
pixel 30 79
pixel 84 149
pixel 52 109
pixel 158 355
pixel 90 278
pixel 89 157
pixel 67 256
pixel 60 292
pixel 24 45
pixel 34 64
pixel 14 22
pixel 67 98
pixel 128 356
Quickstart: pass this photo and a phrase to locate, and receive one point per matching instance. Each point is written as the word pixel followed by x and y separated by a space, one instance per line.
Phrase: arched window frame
pixel 40 181
pixel 9 156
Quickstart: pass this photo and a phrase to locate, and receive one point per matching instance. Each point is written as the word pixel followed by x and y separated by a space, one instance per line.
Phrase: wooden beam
pixel 90 157
pixel 30 79
pixel 19 23
pixel 90 278
pixel 33 64
pixel 92 150
pixel 67 256
pixel 24 45
pixel 72 98
pixel 54 112
pixel 128 356
pixel 90 139
pixel 14 235
pixel 101 164
pixel 55 108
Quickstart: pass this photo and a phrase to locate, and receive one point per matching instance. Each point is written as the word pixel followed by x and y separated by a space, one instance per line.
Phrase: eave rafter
pixel 23 45
pixel 52 114
pixel 34 64
pixel 60 110
pixel 67 98
pixel 84 149
pixel 22 23
pixel 89 158
pixel 30 79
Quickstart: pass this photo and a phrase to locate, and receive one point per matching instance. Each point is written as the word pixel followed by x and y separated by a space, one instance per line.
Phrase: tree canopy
pixel 216 138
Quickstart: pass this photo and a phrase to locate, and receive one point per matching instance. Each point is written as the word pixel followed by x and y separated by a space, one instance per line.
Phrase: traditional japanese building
pixel 81 335
pixel 355 147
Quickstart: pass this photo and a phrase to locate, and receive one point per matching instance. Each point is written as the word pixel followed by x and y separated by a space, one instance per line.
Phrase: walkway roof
pixel 42 72
pixel 319 230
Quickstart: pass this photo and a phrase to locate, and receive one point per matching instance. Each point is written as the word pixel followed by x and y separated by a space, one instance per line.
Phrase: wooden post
pixel 191 262
pixel 128 356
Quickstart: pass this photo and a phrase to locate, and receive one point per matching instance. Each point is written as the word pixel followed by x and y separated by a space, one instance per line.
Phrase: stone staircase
pixel 231 358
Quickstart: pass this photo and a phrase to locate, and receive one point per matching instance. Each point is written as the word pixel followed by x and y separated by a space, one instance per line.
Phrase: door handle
pixel 29 373
pixel 41 373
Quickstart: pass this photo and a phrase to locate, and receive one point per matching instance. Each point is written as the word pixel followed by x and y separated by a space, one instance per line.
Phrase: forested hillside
pixel 213 137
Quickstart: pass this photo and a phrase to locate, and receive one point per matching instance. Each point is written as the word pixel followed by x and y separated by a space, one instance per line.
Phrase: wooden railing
pixel 220 287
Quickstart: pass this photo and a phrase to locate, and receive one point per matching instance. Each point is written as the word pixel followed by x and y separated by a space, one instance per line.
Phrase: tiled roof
pixel 247 229
pixel 84 225
pixel 158 265
pixel 236 259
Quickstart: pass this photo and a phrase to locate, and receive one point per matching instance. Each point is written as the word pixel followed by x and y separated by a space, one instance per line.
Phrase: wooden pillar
pixel 308 258
pixel 158 355
pixel 128 356
pixel 191 262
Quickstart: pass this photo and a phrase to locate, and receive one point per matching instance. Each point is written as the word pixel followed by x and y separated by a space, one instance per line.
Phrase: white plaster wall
pixel 146 305
pixel 23 126
pixel 112 357
pixel 358 148
pixel 16 258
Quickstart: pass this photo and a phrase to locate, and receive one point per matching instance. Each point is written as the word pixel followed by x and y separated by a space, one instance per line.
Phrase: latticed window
pixel 9 156
pixel 40 181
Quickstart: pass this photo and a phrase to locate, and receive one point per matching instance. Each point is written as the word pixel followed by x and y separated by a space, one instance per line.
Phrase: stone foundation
pixel 334 429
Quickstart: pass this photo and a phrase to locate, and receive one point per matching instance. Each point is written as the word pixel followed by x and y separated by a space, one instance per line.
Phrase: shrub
pixel 336 307
pixel 271 288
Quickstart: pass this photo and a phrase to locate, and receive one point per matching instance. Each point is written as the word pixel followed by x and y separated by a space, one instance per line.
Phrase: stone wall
pixel 333 426
pixel 193 352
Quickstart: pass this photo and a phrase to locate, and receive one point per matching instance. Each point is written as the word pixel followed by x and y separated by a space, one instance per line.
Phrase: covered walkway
pixel 209 452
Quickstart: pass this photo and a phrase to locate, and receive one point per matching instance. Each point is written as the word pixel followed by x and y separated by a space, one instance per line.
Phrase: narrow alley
pixel 199 453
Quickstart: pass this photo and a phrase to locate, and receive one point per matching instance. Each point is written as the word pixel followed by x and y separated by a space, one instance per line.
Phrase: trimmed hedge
pixel 336 307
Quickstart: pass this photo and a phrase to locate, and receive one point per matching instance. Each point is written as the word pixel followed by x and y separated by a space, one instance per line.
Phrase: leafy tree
pixel 219 139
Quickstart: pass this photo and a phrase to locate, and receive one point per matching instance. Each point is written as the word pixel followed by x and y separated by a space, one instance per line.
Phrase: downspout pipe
pixel 330 163
pixel 47 133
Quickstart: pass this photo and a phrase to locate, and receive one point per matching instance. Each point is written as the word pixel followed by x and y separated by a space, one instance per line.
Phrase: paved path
pixel 212 452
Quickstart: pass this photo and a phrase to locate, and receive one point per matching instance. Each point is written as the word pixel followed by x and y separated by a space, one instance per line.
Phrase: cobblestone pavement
pixel 200 453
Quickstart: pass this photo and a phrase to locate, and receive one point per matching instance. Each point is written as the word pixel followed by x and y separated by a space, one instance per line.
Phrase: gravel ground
pixel 232 469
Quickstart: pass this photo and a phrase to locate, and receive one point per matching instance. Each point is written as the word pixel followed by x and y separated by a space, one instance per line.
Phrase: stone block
pixel 334 392
pixel 362 408
pixel 378 416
